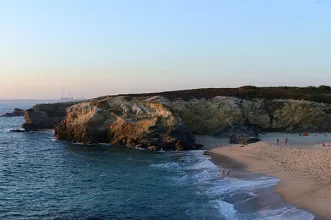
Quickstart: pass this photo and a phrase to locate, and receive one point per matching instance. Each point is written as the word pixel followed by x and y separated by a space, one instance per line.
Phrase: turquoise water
pixel 42 178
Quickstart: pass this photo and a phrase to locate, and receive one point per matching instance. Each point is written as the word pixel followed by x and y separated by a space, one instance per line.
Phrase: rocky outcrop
pixel 136 123
pixel 157 122
pixel 16 112
pixel 243 135
pixel 44 116
pixel 36 120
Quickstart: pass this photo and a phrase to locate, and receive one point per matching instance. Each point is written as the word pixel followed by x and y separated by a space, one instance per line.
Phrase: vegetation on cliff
pixel 316 94
pixel 54 109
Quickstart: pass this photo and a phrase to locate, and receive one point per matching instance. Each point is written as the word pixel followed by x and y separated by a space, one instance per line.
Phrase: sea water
pixel 42 178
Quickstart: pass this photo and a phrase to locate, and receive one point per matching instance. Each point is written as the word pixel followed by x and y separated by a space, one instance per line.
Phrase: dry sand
pixel 303 167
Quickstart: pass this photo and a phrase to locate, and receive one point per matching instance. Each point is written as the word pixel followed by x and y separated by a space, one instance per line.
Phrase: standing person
pixel 227 171
pixel 277 141
pixel 223 169
pixel 286 140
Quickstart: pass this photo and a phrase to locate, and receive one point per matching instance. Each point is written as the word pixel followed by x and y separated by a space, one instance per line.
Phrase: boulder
pixel 243 135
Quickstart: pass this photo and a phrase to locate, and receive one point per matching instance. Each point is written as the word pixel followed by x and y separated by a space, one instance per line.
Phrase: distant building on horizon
pixel 70 98
pixel 66 99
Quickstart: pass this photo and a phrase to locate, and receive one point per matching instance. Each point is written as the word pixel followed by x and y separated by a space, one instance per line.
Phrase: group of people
pixel 325 145
pixel 278 142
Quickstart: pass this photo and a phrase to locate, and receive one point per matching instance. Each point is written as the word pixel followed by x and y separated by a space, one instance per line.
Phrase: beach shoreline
pixel 303 170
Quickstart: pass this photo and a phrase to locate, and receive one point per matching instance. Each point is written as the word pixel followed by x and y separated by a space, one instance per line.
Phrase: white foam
pixel 179 180
pixel 7 130
pixel 225 209
pixel 243 201
pixel 79 143
pixel 140 148
pixel 231 184
pixel 167 166
pixel 285 213
pixel 105 144
pixel 198 170
pixel 204 164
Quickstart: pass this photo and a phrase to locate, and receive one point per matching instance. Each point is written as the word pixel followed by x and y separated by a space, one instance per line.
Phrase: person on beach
pixel 227 171
pixel 277 141
pixel 286 140
pixel 223 169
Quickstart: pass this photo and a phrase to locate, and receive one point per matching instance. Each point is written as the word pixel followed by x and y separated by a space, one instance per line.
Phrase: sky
pixel 105 47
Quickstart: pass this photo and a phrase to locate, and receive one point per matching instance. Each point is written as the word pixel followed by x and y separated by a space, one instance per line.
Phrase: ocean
pixel 43 178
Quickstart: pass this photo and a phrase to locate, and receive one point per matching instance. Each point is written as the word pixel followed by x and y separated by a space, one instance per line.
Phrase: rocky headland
pixel 15 113
pixel 170 120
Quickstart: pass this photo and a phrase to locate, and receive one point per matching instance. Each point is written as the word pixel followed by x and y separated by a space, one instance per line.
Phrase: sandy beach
pixel 303 166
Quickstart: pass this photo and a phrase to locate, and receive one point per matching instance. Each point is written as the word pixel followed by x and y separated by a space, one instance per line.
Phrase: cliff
pixel 169 120
pixel 163 122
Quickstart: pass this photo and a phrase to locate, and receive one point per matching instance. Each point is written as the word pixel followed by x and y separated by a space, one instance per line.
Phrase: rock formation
pixel 16 112
pixel 44 116
pixel 243 135
pixel 158 122
pixel 136 123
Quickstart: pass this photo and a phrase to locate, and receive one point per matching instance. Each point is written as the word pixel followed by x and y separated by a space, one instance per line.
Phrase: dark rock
pixel 36 120
pixel 45 116
pixel 18 130
pixel 16 112
pixel 243 135
pixel 185 138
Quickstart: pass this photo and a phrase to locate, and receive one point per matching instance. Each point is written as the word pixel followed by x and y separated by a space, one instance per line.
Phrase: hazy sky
pixel 108 47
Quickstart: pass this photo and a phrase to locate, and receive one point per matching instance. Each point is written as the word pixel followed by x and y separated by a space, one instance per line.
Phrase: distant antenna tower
pixel 62 94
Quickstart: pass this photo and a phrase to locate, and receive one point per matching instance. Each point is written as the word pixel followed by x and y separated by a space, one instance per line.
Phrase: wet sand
pixel 303 167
